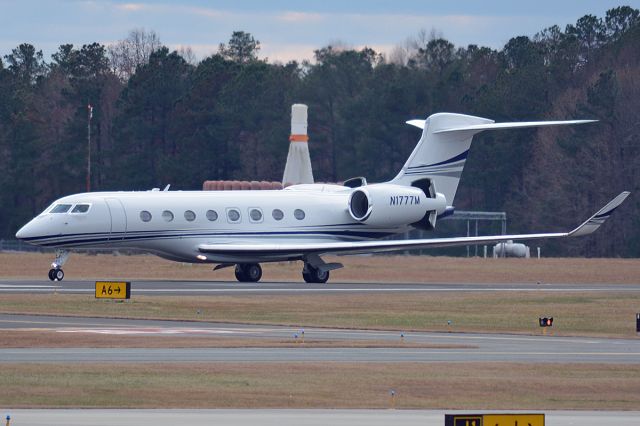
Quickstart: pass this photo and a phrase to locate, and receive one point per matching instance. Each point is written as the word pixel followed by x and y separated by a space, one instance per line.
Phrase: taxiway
pixel 93 417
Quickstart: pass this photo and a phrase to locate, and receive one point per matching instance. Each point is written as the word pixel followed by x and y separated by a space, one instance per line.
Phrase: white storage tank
pixel 511 249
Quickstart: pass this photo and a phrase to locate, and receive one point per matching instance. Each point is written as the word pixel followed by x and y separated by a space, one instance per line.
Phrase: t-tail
pixel 438 159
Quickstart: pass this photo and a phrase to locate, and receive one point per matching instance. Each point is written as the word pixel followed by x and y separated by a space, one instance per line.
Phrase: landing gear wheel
pixel 248 272
pixel 240 274
pixel 313 275
pixel 56 274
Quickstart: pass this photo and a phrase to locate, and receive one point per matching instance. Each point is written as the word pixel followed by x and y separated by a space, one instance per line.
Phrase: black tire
pixel 253 272
pixel 248 272
pixel 240 275
pixel 58 274
pixel 321 277
pixel 313 275
pixel 308 278
pixel 51 276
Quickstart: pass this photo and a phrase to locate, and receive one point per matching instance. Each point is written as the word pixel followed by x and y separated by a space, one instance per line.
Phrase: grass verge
pixel 53 339
pixel 387 269
pixel 323 385
pixel 588 314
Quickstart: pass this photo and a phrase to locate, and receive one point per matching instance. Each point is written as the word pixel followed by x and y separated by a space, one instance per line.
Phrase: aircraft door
pixel 118 219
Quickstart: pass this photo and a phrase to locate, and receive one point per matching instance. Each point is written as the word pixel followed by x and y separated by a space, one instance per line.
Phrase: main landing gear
pixel 314 275
pixel 56 273
pixel 316 270
pixel 248 272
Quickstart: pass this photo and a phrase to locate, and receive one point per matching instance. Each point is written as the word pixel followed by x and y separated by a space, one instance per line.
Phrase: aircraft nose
pixel 24 232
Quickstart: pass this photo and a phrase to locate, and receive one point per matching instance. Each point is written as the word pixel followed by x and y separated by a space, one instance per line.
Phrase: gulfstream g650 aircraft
pixel 302 222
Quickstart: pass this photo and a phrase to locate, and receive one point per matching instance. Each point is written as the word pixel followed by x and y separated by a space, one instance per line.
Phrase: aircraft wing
pixel 359 247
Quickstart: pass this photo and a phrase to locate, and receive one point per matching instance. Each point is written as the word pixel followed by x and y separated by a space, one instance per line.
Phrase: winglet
pixel 594 222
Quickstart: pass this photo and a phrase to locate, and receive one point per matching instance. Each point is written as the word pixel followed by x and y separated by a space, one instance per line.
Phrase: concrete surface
pixel 92 417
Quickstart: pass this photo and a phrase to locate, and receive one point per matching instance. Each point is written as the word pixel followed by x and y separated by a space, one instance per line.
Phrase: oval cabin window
pixel 145 216
pixel 167 216
pixel 212 215
pixel 277 214
pixel 256 215
pixel 233 215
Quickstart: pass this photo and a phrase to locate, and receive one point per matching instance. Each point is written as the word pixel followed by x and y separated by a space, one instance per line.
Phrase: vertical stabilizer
pixel 298 167
pixel 440 154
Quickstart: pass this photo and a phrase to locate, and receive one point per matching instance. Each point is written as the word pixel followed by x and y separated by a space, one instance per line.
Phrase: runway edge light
pixel 546 321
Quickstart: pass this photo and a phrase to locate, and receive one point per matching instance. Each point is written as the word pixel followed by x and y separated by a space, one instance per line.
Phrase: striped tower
pixel 298 167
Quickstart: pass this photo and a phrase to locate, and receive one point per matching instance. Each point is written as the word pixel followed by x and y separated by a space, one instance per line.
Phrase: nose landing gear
pixel 56 273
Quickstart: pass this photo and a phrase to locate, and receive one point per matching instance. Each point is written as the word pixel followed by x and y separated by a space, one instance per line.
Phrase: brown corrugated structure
pixel 245 185
pixel 237 185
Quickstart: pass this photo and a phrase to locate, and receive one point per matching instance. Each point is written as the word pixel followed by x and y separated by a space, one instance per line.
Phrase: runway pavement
pixel 93 417
pixel 193 288
pixel 467 347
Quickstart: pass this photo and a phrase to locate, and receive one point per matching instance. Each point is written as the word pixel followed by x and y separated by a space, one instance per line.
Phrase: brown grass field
pixel 387 269
pixel 43 338
pixel 586 314
pixel 322 385
pixel 330 385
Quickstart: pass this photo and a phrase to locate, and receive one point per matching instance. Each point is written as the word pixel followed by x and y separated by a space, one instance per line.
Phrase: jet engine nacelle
pixel 393 205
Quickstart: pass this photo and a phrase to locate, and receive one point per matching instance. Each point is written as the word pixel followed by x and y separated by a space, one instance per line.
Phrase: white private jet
pixel 301 222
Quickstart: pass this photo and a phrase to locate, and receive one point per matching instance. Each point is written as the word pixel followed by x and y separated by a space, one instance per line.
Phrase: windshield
pixel 61 208
pixel 80 208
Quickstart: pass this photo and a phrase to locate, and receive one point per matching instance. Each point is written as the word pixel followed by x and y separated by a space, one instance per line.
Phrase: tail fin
pixel 442 150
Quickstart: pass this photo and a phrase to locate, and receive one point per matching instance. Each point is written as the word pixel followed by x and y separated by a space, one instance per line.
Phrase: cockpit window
pixel 60 208
pixel 80 208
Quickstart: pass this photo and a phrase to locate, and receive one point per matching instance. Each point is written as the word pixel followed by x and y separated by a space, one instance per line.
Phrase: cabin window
pixel 277 214
pixel 145 216
pixel 298 214
pixel 61 208
pixel 167 216
pixel 255 215
pixel 190 216
pixel 212 215
pixel 80 208
pixel 233 215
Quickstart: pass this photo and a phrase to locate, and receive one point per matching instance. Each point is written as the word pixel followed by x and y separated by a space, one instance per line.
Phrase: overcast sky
pixel 286 29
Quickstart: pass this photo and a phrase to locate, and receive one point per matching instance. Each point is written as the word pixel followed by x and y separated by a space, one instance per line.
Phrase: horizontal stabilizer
pixel 494 126
pixel 417 123
pixel 304 249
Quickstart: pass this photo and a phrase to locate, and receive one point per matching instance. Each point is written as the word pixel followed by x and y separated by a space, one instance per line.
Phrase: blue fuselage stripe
pixel 102 238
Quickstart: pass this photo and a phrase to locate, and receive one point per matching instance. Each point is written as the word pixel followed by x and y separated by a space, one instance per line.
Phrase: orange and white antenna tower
pixel 298 167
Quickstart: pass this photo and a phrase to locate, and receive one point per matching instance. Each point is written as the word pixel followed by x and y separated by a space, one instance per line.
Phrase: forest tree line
pixel 161 117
